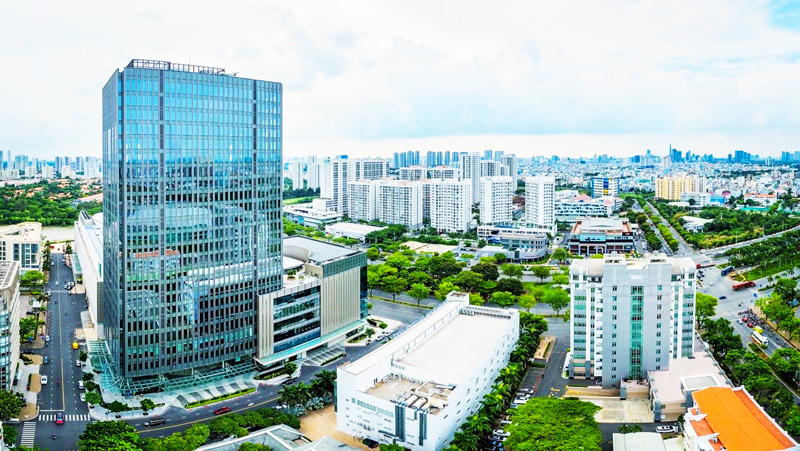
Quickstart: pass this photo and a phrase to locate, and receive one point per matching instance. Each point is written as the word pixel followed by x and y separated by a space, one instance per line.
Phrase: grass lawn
pixel 298 200
pixel 529 286
pixel 771 269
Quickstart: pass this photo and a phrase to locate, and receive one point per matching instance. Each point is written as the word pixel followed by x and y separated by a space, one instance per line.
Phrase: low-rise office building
pixel 417 389
pixel 591 236
pixel 351 230
pixel 311 215
pixel 9 322
pixel 629 316
pixel 323 299
pixel 730 419
pixel 21 243
pixel 573 208
pixel 87 266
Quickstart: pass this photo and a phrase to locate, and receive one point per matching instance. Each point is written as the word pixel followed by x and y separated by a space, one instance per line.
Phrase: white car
pixel 44 380
pixel 83 397
pixel 80 385
pixel 666 429
pixel 78 363
pixel 501 433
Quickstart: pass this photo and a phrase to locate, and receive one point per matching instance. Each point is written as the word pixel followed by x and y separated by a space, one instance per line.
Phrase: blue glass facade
pixel 192 214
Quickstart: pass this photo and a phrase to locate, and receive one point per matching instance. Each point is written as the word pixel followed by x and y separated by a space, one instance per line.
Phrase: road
pixel 61 394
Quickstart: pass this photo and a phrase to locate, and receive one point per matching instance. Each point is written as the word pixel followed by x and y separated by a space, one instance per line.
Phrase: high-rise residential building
pixel 605 186
pixel 670 188
pixel 450 205
pixel 630 316
pixel 363 200
pixel 369 168
pixel 341 171
pixel 10 310
pixel 400 202
pixel 491 168
pixel 192 220
pixel 539 200
pixel 413 173
pixel 295 173
pixel 313 172
pixel 498 155
pixel 495 202
pixel 444 173
pixel 510 161
pixel 487 154
pixel 470 165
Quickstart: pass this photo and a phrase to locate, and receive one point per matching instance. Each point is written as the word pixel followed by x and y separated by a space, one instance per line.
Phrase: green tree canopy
pixel 487 270
pixel 554 424
pixel 705 307
pixel 10 404
pixel 393 285
pixel 111 435
pixel 511 270
pixel 503 298
pixel 512 285
pixel 786 289
pixel 557 299
pixel 419 292
pixel 541 271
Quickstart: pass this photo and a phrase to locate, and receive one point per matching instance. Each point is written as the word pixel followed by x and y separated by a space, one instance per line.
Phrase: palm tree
pixel 327 379
pixel 479 425
pixel 465 441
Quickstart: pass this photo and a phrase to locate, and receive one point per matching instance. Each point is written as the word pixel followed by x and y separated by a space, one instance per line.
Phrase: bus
pixel 726 271
pixel 759 339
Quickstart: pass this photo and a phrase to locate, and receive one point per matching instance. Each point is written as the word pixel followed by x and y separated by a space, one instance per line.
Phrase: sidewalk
pixel 31 396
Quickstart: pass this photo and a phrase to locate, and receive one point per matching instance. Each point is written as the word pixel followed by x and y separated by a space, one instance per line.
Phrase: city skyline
pixel 615 79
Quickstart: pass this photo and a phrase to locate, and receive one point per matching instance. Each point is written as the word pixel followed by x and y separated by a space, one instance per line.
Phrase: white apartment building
pixel 417 389
pixel 510 161
pixel 313 169
pixel 444 173
pixel 88 265
pixel 491 168
pixel 340 171
pixel 413 173
pixel 451 205
pixel 295 173
pixel 363 200
pixel 21 243
pixel 539 200
pixel 400 202
pixel 470 165
pixel 495 201
pixel 10 311
pixel 629 316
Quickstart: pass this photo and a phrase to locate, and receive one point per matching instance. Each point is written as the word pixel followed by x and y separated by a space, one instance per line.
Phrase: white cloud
pixel 367 71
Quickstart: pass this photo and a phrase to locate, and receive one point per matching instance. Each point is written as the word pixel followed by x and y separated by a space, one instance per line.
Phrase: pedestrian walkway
pixel 319 356
pixel 28 435
pixel 51 417
pixel 210 391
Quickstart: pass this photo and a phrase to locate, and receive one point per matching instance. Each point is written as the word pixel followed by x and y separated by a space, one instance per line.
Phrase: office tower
pixel 413 173
pixel 192 220
pixel 539 200
pixel 510 161
pixel 451 205
pixel 454 157
pixel 487 154
pixel 498 155
pixel 446 159
pixel 605 186
pixel 363 200
pixel 495 201
pixel 410 160
pixel 430 159
pixel 630 316
pixel 400 202
pixel 470 164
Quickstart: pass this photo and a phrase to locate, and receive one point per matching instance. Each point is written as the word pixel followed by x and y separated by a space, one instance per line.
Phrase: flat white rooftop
pixel 692 373
pixel 456 348
pixel 353 227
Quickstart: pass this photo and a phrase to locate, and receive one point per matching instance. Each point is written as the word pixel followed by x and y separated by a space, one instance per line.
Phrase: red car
pixel 59 418
pixel 222 410
pixel 750 325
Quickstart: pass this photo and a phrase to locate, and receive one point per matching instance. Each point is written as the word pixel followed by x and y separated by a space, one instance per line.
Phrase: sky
pixel 377 77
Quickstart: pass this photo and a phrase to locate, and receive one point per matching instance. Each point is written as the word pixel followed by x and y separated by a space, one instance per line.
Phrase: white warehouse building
pixel 417 389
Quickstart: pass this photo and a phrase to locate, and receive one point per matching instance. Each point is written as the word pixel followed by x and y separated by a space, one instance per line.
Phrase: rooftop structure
pixel 351 230
pixel 308 215
pixel 22 243
pixel 639 441
pixel 591 236
pixel 418 388
pixel 279 438
pixel 730 419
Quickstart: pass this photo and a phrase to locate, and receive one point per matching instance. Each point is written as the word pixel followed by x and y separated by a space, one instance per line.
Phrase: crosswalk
pixel 28 434
pixel 50 417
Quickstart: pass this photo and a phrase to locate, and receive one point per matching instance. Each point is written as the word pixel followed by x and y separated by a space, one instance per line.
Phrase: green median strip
pixel 220 398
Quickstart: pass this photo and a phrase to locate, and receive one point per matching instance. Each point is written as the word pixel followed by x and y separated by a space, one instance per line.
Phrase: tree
pixel 68 249
pixel 500 258
pixel 147 404
pixel 420 277
pixel 786 289
pixel 31 278
pixel 513 286
pixel 468 280
pixel 253 447
pixel 476 299
pixel 560 254
pixel 9 435
pixel 511 270
pixel 444 289
pixel 554 424
pixel 503 298
pixel 83 356
pixel 629 428
pixel 289 368
pixel 541 272
pixel 419 292
pixel 117 407
pixel 28 326
pixel 369 332
pixel 561 279
pixel 326 378
pixel 390 447
pixel 398 260
pixel 111 435
pixel 557 299
pixel 705 307
pixel 10 404
pixel 373 253
pixel 527 301
pixel 227 426
pixel 487 270
pixel 93 398
pixel 394 285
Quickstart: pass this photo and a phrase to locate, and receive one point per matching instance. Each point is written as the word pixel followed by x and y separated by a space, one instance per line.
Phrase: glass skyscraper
pixel 192 217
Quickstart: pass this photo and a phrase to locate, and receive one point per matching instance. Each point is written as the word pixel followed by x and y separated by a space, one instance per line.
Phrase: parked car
pixel 225 409
pixel 498 438
pixel 500 432
pixel 47 338
pixel 723 297
pixel 46 360
pixel 59 418
pixel 155 422
pixel 80 385
pixel 78 363
pixel 44 380
pixel 83 397
pixel 289 381
pixel 667 429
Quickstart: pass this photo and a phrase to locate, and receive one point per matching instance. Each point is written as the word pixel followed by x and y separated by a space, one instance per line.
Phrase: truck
pixel 726 271
pixel 746 284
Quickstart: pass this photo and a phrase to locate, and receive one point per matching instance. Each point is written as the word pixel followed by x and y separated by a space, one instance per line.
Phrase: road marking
pixel 28 435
